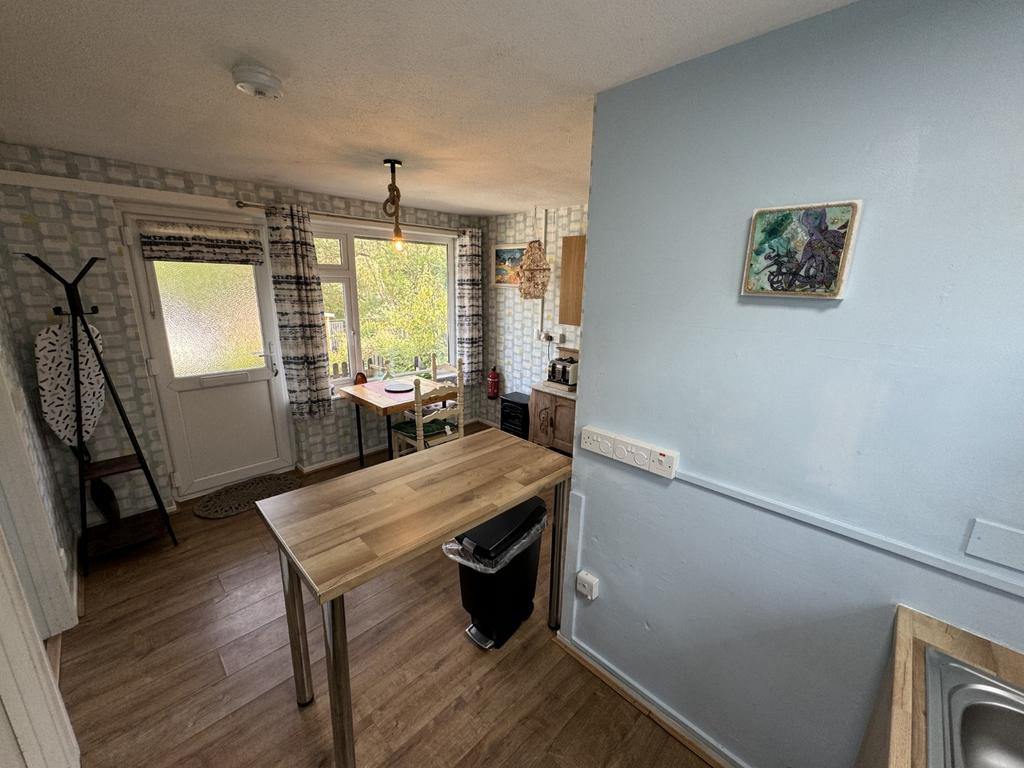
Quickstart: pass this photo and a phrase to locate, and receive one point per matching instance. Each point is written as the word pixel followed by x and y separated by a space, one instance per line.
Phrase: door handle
pixel 273 363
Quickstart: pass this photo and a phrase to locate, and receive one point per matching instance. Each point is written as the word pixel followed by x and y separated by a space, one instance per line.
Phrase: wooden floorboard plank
pixel 157 581
pixel 592 735
pixel 143 661
pixel 524 734
pixel 660 750
pixel 106 716
pixel 470 718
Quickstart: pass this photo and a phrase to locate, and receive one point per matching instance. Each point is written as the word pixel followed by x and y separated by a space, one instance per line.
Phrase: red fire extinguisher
pixel 492 384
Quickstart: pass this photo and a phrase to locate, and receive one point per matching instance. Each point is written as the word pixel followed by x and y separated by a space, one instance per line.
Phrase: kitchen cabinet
pixel 570 291
pixel 552 419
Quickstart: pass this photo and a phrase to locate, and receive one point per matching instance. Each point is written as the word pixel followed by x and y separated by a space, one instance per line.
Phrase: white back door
pixel 212 336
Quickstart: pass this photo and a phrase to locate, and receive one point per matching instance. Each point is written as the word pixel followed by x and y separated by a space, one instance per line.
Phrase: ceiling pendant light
pixel 393 204
pixel 534 271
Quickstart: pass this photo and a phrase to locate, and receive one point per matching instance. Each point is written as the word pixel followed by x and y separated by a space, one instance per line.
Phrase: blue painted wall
pixel 896 415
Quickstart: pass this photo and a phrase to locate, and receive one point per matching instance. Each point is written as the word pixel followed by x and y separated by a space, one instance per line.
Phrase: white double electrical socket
pixel 660 461
pixel 630 452
pixel 597 441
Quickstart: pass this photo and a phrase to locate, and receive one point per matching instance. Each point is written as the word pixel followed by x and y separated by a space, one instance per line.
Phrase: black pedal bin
pixel 499 602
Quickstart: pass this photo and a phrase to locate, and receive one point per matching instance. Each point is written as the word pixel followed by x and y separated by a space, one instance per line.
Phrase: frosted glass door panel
pixel 211 317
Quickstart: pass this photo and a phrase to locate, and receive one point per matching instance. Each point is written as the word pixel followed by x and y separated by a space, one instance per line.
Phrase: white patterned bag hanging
pixel 55 369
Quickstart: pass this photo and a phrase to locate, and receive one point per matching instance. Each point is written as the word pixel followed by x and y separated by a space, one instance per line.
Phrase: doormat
pixel 242 497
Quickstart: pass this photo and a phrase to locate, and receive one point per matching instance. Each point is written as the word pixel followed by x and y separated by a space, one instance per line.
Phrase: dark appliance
pixel 515 414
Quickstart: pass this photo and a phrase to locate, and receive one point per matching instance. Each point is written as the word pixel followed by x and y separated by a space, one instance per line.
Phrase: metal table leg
pixel 296 631
pixel 558 554
pixel 359 435
pixel 339 683
pixel 391 446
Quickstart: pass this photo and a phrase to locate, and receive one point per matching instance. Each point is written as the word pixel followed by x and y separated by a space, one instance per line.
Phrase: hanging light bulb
pixel 392 206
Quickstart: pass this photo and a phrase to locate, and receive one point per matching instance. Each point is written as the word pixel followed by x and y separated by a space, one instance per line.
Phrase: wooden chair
pixel 445 370
pixel 431 425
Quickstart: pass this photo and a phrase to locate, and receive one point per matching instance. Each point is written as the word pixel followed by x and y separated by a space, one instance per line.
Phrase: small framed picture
pixel 507 259
pixel 800 250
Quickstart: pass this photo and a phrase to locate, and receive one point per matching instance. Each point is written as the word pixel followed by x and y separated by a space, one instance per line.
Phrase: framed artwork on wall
pixel 800 250
pixel 506 261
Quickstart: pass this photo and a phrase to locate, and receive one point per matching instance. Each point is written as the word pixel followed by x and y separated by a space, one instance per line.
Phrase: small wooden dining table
pixel 338 534
pixel 373 397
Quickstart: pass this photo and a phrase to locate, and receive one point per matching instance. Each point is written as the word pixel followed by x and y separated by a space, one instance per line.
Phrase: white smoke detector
pixel 257 81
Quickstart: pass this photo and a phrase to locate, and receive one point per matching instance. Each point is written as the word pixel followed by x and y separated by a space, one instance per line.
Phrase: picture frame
pixel 505 261
pixel 800 251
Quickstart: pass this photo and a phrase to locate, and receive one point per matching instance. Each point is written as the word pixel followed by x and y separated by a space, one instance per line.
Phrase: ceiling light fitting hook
pixel 392 206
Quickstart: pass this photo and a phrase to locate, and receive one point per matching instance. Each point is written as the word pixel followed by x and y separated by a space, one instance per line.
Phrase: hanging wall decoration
pixel 507 260
pixel 534 271
pixel 801 250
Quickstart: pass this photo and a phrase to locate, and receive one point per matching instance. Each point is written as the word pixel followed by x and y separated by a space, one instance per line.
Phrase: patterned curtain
pixel 300 310
pixel 172 241
pixel 469 321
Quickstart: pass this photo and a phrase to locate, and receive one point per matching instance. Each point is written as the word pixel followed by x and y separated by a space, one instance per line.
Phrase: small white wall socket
pixel 660 461
pixel 586 584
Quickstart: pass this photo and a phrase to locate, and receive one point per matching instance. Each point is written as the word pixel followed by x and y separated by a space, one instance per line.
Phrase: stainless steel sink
pixel 974 720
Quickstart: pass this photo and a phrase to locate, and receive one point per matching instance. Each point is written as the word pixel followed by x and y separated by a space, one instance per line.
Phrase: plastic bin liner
pixel 463 555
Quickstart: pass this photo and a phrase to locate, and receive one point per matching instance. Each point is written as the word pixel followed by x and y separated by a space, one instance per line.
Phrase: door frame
pixel 26 519
pixel 37 732
pixel 144 301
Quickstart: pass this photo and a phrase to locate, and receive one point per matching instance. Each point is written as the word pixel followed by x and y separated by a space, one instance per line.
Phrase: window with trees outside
pixel 385 311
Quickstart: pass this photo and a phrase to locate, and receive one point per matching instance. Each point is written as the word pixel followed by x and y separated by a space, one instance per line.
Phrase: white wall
pixel 893 417
pixel 32 514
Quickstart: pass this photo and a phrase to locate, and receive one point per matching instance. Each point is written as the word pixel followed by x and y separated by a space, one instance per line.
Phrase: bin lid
pixel 490 539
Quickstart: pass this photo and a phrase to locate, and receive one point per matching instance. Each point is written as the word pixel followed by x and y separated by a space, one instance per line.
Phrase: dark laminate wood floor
pixel 182 660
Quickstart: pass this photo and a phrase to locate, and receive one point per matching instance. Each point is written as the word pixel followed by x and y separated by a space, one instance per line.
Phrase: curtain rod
pixel 411 225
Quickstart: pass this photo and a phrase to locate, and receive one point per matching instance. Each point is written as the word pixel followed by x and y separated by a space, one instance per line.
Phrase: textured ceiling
pixel 488 103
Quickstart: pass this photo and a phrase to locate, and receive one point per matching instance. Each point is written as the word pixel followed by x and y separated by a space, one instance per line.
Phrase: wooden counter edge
pixel 896 736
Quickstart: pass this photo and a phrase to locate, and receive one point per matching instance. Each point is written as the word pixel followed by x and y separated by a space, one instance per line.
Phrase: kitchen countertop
pixel 539 386
pixel 897 734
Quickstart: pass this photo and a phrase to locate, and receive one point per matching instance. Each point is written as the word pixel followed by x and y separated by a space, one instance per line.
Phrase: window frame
pixel 345 273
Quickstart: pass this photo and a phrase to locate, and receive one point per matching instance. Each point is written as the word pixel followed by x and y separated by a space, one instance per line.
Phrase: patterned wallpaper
pixel 69 228
pixel 511 322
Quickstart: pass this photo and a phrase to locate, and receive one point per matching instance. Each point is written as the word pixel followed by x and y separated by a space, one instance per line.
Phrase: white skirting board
pixel 677 726
pixel 307 470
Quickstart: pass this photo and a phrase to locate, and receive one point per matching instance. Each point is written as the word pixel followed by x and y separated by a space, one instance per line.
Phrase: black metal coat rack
pixel 89 470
